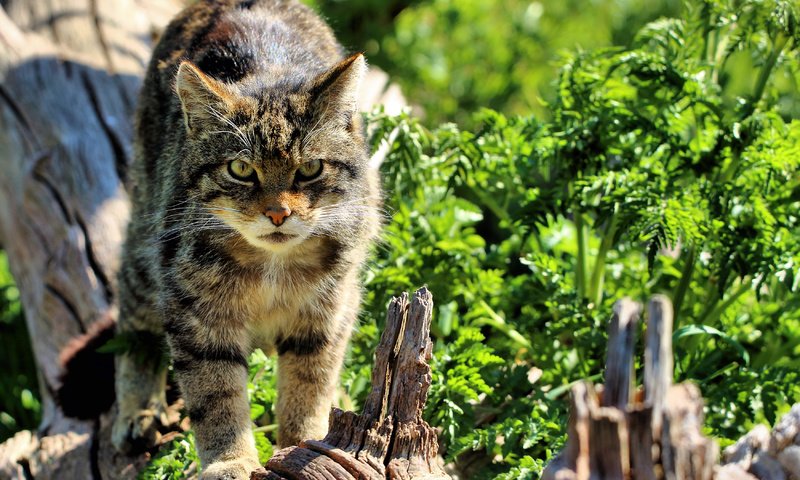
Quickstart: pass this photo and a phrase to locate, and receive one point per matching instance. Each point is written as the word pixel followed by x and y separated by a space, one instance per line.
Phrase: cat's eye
pixel 241 170
pixel 309 170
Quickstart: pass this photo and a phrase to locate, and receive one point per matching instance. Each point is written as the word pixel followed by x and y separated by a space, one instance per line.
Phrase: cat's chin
pixel 279 237
pixel 276 242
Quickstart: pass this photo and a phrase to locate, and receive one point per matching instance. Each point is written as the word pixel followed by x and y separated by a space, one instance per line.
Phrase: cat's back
pixel 230 39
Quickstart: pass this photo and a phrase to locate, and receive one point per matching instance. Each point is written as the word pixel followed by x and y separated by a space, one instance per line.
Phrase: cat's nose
pixel 277 214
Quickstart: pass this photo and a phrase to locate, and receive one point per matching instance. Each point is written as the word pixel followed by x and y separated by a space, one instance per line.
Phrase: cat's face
pixel 282 166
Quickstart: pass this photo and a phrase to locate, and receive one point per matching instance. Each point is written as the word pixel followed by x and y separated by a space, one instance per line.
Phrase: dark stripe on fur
pixel 351 170
pixel 310 344
pixel 202 403
pixel 333 254
pixel 181 344
pixel 210 196
pixel 199 172
pixel 172 242
pixel 205 254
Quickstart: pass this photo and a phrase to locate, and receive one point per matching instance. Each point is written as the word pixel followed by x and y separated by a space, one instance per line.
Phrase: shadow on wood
pixel 70 71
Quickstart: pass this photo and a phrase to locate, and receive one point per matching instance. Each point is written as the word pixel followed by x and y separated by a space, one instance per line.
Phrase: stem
pixel 490 203
pixel 707 29
pixel 266 428
pixel 726 175
pixel 712 300
pixel 494 320
pixel 766 71
pixel 719 58
pixel 595 293
pixel 744 287
pixel 683 285
pixel 580 270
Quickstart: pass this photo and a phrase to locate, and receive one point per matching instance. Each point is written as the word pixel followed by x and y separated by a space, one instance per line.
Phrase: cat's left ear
pixel 202 98
pixel 336 90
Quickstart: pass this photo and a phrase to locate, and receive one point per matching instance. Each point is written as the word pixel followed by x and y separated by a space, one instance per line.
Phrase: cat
pixel 254 207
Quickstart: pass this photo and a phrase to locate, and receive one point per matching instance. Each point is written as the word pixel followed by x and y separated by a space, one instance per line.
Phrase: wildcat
pixel 253 209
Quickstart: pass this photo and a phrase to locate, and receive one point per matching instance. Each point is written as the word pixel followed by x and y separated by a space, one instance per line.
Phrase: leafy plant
pixel 19 391
pixel 172 461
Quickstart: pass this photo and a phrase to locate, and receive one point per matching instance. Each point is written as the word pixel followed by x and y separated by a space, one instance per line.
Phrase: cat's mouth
pixel 277 237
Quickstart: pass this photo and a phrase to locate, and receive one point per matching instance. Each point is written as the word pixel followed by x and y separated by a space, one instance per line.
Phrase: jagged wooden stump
pixel 389 439
pixel 617 432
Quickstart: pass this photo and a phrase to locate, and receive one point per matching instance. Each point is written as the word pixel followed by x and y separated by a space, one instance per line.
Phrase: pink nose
pixel 277 214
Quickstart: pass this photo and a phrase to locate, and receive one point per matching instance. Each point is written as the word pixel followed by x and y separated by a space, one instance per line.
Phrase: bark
pixel 654 433
pixel 70 71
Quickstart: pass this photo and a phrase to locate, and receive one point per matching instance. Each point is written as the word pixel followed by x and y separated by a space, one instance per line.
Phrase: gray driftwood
pixel 389 440
pixel 70 71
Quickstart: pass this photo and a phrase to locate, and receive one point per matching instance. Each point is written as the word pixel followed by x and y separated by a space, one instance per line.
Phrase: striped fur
pixel 263 82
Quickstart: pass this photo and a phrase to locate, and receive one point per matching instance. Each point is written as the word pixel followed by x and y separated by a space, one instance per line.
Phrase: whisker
pixel 237 131
pixel 313 130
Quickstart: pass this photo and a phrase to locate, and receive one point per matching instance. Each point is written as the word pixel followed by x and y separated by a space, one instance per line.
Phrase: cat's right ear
pixel 202 97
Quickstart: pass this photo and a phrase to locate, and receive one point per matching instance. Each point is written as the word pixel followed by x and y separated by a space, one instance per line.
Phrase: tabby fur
pixel 206 261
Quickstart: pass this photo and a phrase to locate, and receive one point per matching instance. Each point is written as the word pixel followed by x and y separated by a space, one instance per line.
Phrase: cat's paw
pixel 230 470
pixel 137 431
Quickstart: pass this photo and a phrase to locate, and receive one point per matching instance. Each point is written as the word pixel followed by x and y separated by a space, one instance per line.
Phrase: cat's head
pixel 279 164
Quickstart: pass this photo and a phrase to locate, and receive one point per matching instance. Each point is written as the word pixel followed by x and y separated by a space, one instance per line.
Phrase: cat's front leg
pixel 211 368
pixel 308 372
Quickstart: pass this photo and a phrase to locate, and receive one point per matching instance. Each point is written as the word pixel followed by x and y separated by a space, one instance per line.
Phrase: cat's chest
pixel 284 292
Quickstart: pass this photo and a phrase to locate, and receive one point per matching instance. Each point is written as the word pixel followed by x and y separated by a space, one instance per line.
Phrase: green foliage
pixel 453 58
pixel 527 469
pixel 19 391
pixel 173 460
pixel 659 173
pixel 500 55
pixel 261 389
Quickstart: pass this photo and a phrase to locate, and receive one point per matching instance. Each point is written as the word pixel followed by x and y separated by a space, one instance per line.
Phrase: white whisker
pixel 237 131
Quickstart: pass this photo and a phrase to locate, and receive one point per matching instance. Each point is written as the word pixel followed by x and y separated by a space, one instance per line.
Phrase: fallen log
pixel 70 71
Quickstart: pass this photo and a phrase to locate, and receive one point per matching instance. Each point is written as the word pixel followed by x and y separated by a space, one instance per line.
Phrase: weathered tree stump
pixel 389 439
pixel 618 432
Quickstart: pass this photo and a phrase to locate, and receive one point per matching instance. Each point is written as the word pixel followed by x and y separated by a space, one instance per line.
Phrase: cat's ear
pixel 202 97
pixel 336 90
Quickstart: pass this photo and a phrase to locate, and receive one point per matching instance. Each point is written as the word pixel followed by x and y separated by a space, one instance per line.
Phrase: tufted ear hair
pixel 202 97
pixel 336 90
